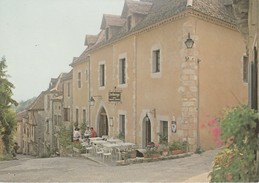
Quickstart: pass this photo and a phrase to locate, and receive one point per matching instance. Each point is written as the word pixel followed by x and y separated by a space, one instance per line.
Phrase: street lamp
pixel 189 42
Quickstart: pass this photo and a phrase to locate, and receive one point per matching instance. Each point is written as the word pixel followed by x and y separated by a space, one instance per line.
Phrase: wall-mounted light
pixel 92 100
pixel 189 42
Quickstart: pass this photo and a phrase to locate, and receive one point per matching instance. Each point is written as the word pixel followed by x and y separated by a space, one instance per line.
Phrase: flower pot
pixel 165 153
pixel 174 152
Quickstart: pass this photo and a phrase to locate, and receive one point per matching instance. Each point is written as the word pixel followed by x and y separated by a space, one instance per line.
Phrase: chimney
pixel 189 3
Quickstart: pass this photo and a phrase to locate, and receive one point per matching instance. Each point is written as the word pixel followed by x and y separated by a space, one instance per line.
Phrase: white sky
pixel 39 38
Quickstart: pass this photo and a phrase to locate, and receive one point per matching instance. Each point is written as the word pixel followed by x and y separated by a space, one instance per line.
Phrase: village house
pixel 138 78
pixel 161 67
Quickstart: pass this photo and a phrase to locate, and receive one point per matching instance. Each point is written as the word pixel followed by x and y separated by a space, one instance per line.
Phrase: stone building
pixel 137 78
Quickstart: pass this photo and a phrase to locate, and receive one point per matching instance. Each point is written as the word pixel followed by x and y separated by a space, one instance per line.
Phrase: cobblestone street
pixel 64 169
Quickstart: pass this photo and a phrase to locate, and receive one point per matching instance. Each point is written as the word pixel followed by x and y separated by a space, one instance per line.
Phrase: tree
pixel 7 116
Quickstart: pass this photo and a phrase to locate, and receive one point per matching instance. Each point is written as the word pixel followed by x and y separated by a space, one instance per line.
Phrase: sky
pixel 39 38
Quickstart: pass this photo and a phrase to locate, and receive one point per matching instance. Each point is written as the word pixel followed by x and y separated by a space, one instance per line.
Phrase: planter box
pixel 174 152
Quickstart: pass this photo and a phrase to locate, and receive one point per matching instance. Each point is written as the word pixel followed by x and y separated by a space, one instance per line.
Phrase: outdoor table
pixel 99 142
pixel 111 145
pixel 95 139
pixel 115 141
pixel 127 144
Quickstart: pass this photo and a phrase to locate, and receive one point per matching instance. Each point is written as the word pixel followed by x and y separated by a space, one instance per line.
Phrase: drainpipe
pixel 89 90
pixel 135 91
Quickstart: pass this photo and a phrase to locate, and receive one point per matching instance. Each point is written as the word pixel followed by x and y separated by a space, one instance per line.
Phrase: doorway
pixel 146 133
pixel 103 128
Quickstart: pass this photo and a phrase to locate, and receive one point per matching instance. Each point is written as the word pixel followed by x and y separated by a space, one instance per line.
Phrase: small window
pixel 68 89
pixel 129 22
pixel 66 114
pixel 102 75
pixel 122 71
pixel 245 69
pixel 163 132
pixel 84 116
pixel 122 119
pixel 77 115
pixel 79 80
pixel 156 61
pixel 86 74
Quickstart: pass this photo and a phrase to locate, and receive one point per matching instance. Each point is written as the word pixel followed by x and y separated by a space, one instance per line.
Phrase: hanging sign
pixel 114 96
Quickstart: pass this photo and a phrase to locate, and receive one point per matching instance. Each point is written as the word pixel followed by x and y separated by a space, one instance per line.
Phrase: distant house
pixel 33 137
pixel 22 120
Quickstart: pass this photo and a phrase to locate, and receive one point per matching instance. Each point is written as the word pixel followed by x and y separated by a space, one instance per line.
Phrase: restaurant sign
pixel 114 96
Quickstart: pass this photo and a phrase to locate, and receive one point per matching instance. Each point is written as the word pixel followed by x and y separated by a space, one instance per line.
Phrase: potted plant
pixel 164 149
pixel 152 153
pixel 132 153
pixel 176 147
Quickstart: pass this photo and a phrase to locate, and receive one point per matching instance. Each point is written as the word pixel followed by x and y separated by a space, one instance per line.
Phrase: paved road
pixel 64 169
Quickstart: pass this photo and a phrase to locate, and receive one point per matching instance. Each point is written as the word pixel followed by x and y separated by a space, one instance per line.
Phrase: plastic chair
pixel 107 153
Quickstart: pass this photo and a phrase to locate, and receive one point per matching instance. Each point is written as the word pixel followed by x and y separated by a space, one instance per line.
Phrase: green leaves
pixel 7 116
pixel 237 161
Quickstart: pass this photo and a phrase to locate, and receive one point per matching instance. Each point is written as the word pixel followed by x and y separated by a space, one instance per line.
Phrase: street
pixel 71 169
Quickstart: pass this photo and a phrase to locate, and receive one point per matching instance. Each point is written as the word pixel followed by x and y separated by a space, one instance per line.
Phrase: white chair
pixel 107 153
pixel 89 149
pixel 99 151
pixel 117 153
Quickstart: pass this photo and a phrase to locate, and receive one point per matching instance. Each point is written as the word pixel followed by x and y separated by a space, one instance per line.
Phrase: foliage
pixel 150 151
pixel 237 161
pixel 163 139
pixel 179 145
pixel 199 150
pixel 83 128
pixel 7 116
pixel 65 139
pixel 121 136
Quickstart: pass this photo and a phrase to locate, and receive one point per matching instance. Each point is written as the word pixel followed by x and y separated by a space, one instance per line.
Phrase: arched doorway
pixel 146 132
pixel 103 128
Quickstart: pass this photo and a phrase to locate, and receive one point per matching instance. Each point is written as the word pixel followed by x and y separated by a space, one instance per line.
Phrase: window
pixel 102 75
pixel 84 116
pixel 122 71
pixel 122 119
pixel 163 132
pixel 68 89
pixel 77 115
pixel 245 69
pixel 79 80
pixel 48 102
pixel 107 33
pixel 86 74
pixel 129 22
pixel 156 61
pixel 66 114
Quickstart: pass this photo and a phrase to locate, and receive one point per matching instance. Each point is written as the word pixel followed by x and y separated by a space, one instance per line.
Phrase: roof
pixel 21 115
pixel 67 76
pixel 164 9
pixel 90 39
pixel 138 7
pixel 38 104
pixel 112 20
pixel 84 55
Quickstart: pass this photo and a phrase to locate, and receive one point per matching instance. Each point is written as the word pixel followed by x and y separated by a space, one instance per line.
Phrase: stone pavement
pixel 194 168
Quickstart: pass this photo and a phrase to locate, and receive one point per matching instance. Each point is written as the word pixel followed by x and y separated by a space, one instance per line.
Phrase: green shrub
pixel 237 160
